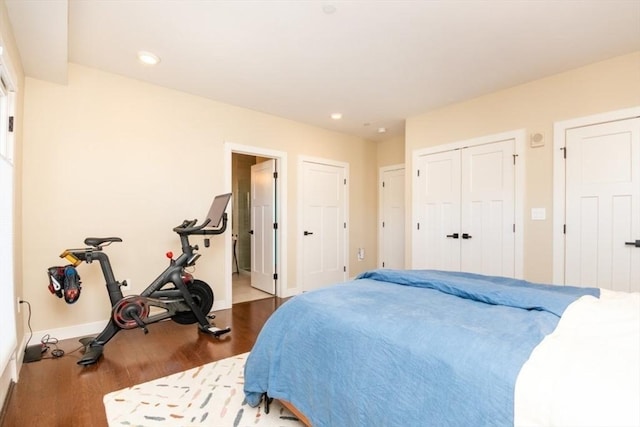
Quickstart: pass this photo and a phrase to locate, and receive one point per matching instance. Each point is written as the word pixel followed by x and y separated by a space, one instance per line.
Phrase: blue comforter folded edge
pixel 488 289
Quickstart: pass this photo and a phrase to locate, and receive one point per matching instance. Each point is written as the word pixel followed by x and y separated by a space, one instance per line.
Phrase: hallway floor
pixel 242 289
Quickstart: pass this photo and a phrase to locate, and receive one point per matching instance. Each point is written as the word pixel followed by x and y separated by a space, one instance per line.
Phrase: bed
pixel 433 348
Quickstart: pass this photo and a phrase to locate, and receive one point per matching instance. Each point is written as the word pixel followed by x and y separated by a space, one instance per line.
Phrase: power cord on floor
pixel 47 340
pixel 28 321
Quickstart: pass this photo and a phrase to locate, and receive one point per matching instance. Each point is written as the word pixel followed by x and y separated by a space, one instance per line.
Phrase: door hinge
pixel 275 225
pixel 514 228
pixel 564 152
pixel 345 181
pixel 382 264
pixel 382 184
pixel 382 224
pixel 275 175
pixel 10 124
pixel 345 225
pixel 564 229
pixel 514 158
pixel 418 226
pixel 344 268
pixel 418 173
pixel 275 276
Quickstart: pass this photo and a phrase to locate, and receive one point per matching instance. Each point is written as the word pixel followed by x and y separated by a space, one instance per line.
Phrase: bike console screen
pixel 216 211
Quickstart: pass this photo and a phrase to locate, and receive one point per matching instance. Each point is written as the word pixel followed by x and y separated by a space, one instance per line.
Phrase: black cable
pixel 47 339
pixel 28 322
pixel 77 349
pixel 58 352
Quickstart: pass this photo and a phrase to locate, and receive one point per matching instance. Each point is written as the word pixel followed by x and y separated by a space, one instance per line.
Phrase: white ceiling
pixel 377 62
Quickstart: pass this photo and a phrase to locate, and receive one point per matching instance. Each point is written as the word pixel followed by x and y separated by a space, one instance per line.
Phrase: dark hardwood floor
pixel 58 392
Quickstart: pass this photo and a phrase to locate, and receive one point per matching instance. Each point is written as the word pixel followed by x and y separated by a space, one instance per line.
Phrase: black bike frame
pixel 172 274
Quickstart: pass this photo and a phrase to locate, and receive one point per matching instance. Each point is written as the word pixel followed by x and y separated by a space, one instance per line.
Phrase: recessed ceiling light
pixel 336 116
pixel 329 9
pixel 382 130
pixel 148 58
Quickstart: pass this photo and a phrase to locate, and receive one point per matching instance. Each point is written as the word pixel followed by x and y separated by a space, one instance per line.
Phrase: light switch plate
pixel 538 214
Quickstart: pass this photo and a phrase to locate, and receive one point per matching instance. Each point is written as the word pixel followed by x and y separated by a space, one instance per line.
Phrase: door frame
pixel 559 178
pixel 519 137
pixel 10 369
pixel 381 172
pixel 300 208
pixel 281 243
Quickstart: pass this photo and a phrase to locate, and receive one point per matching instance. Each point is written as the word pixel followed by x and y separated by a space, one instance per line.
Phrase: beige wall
pixel 601 87
pixel 391 151
pixel 111 156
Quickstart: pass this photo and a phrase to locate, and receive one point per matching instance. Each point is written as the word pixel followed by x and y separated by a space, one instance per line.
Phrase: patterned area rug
pixel 209 395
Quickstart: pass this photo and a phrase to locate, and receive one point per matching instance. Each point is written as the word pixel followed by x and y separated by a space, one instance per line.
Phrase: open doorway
pixel 239 160
pixel 247 255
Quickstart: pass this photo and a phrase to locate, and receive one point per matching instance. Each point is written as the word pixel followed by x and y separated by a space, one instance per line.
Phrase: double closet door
pixel 465 210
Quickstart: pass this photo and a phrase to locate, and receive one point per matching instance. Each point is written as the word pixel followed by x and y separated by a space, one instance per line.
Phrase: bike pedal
pixel 215 331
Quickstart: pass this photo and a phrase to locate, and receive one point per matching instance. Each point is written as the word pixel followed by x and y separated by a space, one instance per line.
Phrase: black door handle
pixel 465 236
pixel 454 235
pixel 636 243
pixel 250 231
pixel 308 233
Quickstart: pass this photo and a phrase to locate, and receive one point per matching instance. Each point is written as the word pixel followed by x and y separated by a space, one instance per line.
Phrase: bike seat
pixel 97 241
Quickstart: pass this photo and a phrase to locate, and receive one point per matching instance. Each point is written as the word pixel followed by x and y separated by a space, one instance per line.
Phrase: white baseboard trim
pixel 220 305
pixel 82 330
pixel 8 374
pixel 74 331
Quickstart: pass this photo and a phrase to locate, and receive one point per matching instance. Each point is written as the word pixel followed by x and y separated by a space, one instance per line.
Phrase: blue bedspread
pixel 442 349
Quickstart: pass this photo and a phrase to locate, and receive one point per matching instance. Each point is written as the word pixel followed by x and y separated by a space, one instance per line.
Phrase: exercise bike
pixel 175 292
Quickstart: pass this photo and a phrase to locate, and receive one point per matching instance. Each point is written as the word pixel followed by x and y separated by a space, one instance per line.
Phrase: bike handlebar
pixel 189 227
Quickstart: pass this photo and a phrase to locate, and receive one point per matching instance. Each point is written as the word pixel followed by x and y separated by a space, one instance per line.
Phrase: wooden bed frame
pixel 296 412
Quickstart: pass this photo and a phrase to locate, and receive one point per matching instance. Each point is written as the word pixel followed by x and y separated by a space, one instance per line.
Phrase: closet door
pixel 436 242
pixel 488 209
pixel 465 210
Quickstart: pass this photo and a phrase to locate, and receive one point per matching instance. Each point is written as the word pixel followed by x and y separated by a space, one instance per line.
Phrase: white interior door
pixel 436 243
pixel 262 226
pixel 466 209
pixel 323 224
pixel 603 205
pixel 392 218
pixel 487 234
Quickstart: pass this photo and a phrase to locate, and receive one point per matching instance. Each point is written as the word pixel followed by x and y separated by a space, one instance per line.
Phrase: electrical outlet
pixel 19 304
